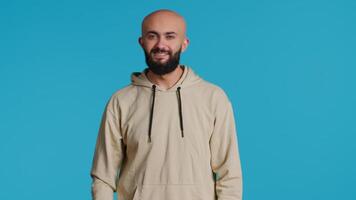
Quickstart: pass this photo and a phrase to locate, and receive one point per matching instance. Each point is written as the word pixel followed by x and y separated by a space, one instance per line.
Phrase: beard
pixel 163 68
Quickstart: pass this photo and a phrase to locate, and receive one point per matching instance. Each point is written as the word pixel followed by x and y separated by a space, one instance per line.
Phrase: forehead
pixel 163 23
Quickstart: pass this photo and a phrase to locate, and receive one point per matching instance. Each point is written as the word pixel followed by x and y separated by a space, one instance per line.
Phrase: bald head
pixel 164 20
pixel 163 38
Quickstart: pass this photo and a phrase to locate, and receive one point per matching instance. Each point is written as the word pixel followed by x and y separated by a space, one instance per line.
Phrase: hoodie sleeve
pixel 225 159
pixel 108 157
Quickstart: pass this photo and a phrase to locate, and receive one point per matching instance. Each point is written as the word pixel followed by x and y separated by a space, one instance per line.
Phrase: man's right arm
pixel 108 157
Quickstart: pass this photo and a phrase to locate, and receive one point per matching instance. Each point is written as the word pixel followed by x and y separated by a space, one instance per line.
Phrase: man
pixel 169 135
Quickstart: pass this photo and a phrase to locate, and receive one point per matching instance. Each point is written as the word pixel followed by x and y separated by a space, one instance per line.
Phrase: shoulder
pixel 219 99
pixel 125 95
pixel 217 92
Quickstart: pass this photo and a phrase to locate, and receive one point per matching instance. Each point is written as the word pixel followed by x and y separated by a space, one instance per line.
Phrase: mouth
pixel 160 55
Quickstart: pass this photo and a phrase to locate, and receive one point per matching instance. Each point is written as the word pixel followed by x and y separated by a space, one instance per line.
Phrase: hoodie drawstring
pixel 152 108
pixel 151 114
pixel 180 111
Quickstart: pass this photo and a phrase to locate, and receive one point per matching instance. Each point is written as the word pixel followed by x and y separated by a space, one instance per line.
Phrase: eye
pixel 170 37
pixel 151 36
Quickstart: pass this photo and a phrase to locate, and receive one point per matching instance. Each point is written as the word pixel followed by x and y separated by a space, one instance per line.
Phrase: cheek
pixel 147 46
pixel 176 49
pixel 147 49
pixel 178 45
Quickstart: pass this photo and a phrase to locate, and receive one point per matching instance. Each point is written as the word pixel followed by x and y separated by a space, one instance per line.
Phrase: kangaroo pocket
pixel 174 192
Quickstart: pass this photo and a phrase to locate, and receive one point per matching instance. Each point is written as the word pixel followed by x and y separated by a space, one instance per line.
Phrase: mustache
pixel 158 50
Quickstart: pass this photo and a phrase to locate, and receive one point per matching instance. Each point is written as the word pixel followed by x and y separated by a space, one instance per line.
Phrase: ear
pixel 185 44
pixel 140 41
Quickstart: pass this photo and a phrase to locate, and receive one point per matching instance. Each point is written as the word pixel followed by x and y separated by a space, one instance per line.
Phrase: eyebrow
pixel 167 33
pixel 170 33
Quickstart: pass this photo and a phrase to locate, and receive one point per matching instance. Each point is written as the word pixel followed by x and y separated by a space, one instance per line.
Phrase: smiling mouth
pixel 160 55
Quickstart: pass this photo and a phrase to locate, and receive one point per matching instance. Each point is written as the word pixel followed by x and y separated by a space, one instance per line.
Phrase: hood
pixel 187 79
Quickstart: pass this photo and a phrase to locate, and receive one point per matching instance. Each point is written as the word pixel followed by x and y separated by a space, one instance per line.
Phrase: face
pixel 163 39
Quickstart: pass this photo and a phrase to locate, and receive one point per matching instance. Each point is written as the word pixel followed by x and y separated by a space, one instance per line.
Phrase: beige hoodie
pixel 167 144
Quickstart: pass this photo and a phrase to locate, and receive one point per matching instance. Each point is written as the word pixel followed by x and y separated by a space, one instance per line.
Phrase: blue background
pixel 287 66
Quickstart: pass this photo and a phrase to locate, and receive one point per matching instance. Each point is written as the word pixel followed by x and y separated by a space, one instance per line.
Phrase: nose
pixel 161 44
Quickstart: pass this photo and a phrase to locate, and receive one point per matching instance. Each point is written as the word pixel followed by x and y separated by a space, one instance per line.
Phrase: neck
pixel 165 81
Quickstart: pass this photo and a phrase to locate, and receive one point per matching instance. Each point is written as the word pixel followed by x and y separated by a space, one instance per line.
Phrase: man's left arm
pixel 225 158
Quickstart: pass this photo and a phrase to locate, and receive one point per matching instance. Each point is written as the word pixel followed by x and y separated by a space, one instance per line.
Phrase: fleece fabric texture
pixel 167 144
